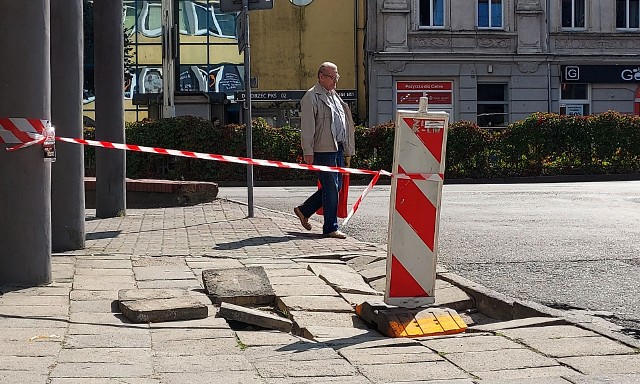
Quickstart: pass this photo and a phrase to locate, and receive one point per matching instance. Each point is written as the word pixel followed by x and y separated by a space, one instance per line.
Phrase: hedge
pixel 542 144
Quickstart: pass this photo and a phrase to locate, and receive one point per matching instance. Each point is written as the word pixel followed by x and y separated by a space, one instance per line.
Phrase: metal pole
pixel 67 175
pixel 247 106
pixel 109 81
pixel 25 190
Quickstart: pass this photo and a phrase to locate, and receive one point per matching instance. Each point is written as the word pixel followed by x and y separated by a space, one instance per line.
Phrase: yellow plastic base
pixel 402 322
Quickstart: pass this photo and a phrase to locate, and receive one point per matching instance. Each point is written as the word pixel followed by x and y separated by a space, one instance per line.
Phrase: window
pixel 574 99
pixel 573 13
pixel 493 107
pixel 628 14
pixel 431 13
pixel 490 13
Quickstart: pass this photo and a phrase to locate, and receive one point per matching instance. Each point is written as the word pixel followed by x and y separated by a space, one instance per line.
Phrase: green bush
pixel 541 144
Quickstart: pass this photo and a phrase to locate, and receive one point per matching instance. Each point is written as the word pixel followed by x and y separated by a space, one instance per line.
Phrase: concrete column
pixel 25 190
pixel 109 82
pixel 67 175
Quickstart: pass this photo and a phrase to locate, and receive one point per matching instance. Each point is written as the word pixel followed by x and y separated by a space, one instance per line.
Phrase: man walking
pixel 327 137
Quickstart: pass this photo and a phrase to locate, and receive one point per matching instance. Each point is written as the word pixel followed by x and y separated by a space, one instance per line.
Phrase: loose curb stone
pixel 240 286
pixel 160 310
pixel 254 317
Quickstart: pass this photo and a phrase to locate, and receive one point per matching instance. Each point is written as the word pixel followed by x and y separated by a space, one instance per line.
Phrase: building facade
pixel 288 43
pixel 498 61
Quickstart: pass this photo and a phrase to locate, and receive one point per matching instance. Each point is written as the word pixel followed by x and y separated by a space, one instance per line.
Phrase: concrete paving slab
pixel 261 338
pixel 35 364
pixel 210 322
pixel 551 332
pixel 106 355
pixel 601 365
pixel 378 284
pixel 92 380
pixel 297 280
pixel 94 306
pixel 412 372
pixel 303 290
pixel 164 272
pixel 356 379
pixel 23 377
pixel 233 377
pixel 170 284
pixel 530 380
pixel 503 359
pixel 282 272
pixel 313 304
pixel 390 355
pixel 605 379
pixel 519 323
pixel 254 317
pixel 156 261
pixel 30 349
pixel 108 340
pixel 27 334
pixel 174 334
pixel 200 364
pixel 357 299
pixel 578 346
pixel 305 350
pixel 217 263
pixel 372 274
pixel 96 263
pixel 339 337
pixel 454 298
pixel 105 272
pixel 35 291
pixel 207 347
pixel 239 286
pixel 40 300
pixel 41 311
pixel 150 294
pixel 365 261
pixel 82 295
pixel 160 310
pixel 101 370
pixel 535 375
pixel 286 369
pixel 466 343
pixel 343 281
pixel 105 283
pixel 302 319
pixel 310 261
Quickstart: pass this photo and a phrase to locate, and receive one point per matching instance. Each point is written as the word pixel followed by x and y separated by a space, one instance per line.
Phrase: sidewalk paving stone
pixel 240 286
pixel 23 377
pixel 313 304
pixel 598 365
pixel 234 377
pixel 343 281
pixel 519 323
pixel 578 346
pixel 605 379
pixel 262 338
pixel 470 343
pixel 283 290
pixel 497 360
pixel 256 317
pixel 201 364
pixel 102 370
pixel 416 372
pixel 552 375
pixel 390 355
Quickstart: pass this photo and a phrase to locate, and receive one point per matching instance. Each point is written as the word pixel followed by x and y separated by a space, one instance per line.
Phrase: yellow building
pixel 288 43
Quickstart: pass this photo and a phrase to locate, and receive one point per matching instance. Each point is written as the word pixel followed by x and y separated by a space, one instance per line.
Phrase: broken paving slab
pixel 343 281
pixel 303 290
pixel 254 317
pixel 313 304
pixel 150 293
pixel 239 286
pixel 165 309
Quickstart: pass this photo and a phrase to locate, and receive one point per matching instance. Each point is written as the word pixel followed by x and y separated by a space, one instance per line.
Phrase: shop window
pixel 573 14
pixel 628 14
pixel 151 19
pixel 574 99
pixel 431 13
pixel 489 13
pixel 493 105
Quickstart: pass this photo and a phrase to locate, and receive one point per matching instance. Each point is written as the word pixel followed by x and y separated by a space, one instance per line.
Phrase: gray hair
pixel 326 64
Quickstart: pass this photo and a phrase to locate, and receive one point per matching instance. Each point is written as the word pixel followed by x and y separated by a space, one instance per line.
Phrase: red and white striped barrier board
pixel 414 216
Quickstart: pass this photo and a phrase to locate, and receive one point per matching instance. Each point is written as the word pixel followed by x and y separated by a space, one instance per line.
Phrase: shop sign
pixel 408 93
pixel 349 94
pixel 610 74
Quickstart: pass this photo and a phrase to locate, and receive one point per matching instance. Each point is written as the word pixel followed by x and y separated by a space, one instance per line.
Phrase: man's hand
pixel 308 159
pixel 347 161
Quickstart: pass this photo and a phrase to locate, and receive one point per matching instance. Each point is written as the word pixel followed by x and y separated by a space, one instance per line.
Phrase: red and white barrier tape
pixel 27 132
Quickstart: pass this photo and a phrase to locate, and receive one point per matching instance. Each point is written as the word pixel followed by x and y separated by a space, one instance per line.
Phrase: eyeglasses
pixel 334 78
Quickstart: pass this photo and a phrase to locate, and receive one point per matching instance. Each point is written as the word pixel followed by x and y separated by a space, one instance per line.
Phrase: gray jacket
pixel 316 134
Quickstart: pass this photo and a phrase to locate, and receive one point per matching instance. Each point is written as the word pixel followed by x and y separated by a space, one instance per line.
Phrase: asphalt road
pixel 566 245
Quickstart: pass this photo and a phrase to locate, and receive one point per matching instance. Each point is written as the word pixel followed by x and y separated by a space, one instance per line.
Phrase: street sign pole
pixel 247 104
